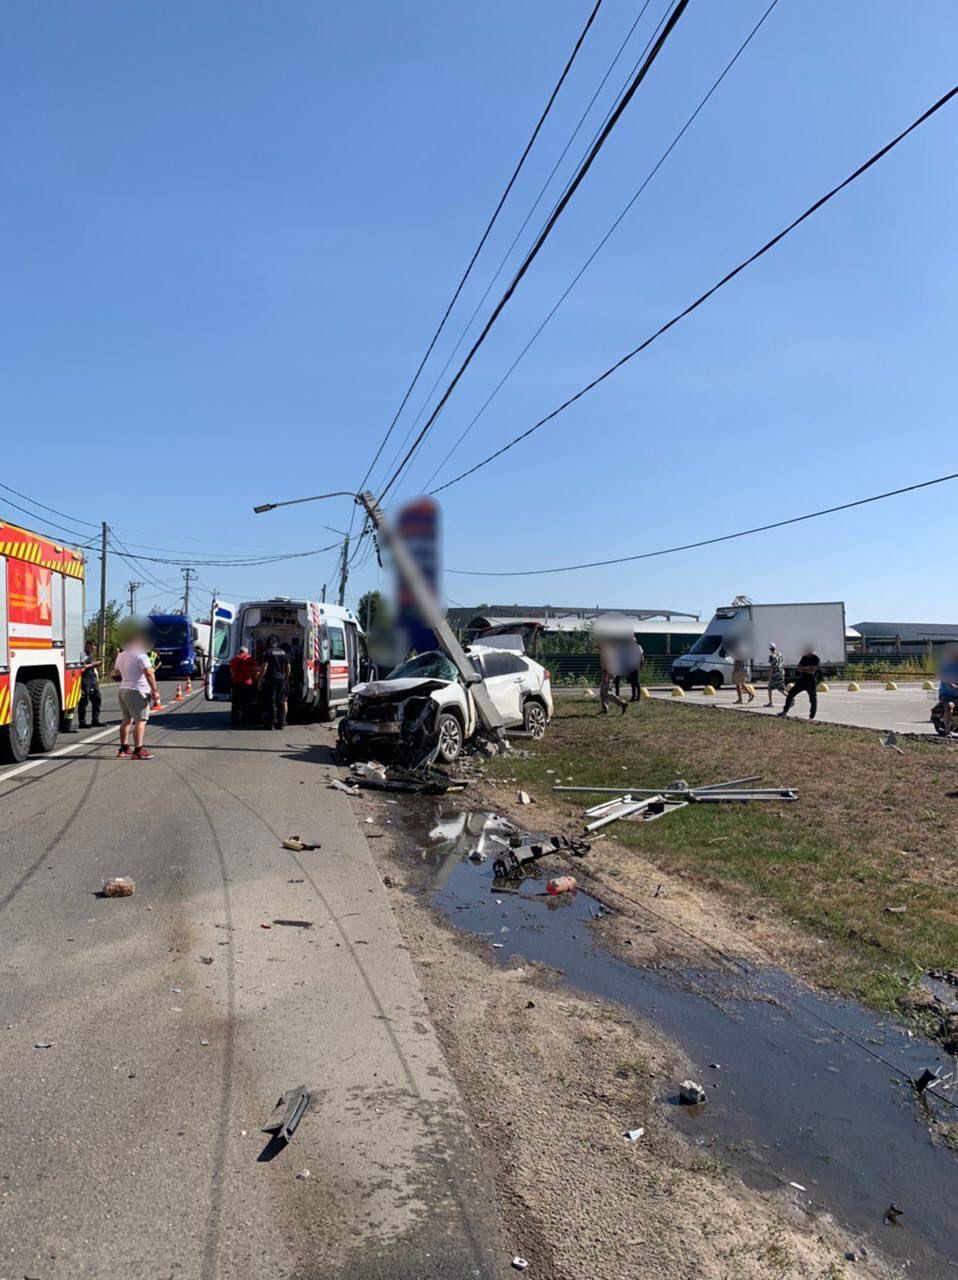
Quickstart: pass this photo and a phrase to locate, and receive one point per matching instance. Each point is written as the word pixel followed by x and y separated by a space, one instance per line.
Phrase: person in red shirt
pixel 243 671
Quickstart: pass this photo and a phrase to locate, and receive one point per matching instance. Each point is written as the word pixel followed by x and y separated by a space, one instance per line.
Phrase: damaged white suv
pixel 424 700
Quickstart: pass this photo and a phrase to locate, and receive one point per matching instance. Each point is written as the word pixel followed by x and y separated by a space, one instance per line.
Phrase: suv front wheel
pixel 449 731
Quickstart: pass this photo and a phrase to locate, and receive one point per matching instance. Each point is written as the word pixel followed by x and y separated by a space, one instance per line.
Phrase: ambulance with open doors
pixel 326 646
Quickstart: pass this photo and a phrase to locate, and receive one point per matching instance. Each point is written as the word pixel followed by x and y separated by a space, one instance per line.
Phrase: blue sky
pixel 230 230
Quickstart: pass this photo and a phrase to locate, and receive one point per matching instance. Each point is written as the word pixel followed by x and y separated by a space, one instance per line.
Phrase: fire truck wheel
pixel 15 737
pixel 46 714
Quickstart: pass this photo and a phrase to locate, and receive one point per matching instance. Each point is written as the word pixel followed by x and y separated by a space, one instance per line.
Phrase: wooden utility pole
pixel 101 629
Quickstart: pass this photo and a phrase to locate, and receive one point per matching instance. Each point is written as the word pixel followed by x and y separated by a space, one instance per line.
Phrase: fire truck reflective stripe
pixel 27 642
pixel 5 701
pixel 73 693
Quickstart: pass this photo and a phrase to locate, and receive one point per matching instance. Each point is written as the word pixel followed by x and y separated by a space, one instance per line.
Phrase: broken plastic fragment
pixel 44 1044
pixel 797 1185
pixel 519 1264
pixel 524 798
pixel 634 1135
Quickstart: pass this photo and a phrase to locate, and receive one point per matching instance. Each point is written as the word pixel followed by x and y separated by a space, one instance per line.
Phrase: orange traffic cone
pixel 189 684
pixel 179 693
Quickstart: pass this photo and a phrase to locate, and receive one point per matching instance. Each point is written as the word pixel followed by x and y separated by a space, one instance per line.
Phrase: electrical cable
pixel 770 244
pixel 35 503
pixel 485 235
pixel 601 245
pixel 51 524
pixel 119 548
pixel 525 222
pixel 562 204
pixel 236 564
pixel 705 542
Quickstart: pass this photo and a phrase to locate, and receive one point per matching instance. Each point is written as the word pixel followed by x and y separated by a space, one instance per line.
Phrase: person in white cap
pixel 776 672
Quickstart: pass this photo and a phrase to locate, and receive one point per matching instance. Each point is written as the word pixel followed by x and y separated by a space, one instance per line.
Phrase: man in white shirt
pixel 137 692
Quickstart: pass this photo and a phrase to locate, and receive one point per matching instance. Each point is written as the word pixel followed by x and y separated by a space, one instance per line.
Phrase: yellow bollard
pixel 643 692
pixel 928 685
pixel 678 691
pixel 852 687
pixel 891 686
pixel 823 688
pixel 708 691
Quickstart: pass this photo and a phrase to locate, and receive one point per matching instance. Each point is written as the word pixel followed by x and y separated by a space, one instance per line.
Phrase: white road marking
pixel 74 746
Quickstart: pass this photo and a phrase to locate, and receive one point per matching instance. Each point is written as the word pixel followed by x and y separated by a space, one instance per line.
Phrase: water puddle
pixel 793 1098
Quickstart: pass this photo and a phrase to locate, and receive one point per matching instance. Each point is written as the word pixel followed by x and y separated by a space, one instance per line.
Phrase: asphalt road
pixel 131 1145
pixel 903 710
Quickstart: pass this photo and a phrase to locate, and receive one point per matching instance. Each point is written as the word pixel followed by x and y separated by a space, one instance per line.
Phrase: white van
pixel 747 630
pixel 326 646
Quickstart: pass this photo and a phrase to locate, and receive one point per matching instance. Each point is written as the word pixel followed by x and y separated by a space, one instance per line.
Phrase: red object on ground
pixel 562 884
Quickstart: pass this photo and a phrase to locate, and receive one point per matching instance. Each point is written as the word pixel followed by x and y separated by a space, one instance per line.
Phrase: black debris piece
pixel 287 1113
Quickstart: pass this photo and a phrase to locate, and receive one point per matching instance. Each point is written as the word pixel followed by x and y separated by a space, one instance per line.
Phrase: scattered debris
pixel 336 785
pixel 497 946
pixel 927 1077
pixel 634 1135
pixel 303 1175
pixel 797 1185
pixel 266 926
pixel 890 740
pixel 561 884
pixel 370 771
pixel 295 882
pixel 523 797
pixel 299 845
pixel 519 1264
pixel 204 1041
pixel 206 960
pixel 44 1044
pixel 892 1215
pixel 289 1110
pixel 119 887
pixel 177 991
pixel 295 924
pixel 691 1093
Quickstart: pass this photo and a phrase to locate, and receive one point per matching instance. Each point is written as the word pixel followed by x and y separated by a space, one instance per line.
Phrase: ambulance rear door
pixel 219 684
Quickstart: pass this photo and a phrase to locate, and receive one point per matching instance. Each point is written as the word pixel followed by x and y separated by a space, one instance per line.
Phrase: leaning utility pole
pixel 133 588
pixel 101 629
pixel 432 615
pixel 187 575
pixel 344 571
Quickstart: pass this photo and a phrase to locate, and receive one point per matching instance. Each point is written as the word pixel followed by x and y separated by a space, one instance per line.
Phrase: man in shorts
pixel 138 692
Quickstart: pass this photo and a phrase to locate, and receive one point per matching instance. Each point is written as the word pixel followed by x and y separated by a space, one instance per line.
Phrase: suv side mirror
pixel 722 652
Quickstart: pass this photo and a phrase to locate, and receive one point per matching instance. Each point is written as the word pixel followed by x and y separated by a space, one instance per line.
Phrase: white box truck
pixel 748 629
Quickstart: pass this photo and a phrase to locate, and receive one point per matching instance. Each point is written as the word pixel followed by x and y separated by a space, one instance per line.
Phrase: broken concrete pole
pixel 691 1093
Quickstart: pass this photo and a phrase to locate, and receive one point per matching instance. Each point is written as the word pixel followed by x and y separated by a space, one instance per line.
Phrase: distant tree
pixel 114 615
pixel 368 608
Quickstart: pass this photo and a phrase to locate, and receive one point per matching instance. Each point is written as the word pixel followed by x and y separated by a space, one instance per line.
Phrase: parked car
pixel 425 699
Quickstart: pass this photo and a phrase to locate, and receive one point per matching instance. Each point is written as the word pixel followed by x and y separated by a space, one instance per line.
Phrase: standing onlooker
pixel 806 682
pixel 243 673
pixel 776 673
pixel 275 684
pixel 89 687
pixel 637 657
pixel 606 679
pixel 137 690
pixel 740 677
pixel 948 686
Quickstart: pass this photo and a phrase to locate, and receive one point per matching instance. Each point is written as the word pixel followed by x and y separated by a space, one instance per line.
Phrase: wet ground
pixel 802 1089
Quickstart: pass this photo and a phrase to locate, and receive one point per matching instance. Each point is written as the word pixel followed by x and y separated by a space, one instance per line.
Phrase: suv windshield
pixel 169 632
pixel 706 644
pixel 426 666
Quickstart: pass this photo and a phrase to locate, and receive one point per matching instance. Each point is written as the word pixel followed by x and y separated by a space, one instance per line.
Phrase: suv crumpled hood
pixel 396 690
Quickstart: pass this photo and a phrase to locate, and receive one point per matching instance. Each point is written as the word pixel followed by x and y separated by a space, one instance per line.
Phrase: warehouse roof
pixel 910 632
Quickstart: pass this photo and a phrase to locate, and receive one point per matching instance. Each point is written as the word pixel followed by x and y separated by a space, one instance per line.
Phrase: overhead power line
pixel 561 205
pixel 608 235
pixel 485 235
pixel 693 306
pixel 703 542
pixel 33 502
pixel 233 564
pixel 535 204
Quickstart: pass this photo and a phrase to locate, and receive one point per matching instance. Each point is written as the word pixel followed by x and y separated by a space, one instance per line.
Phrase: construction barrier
pixel 189 686
pixel 179 693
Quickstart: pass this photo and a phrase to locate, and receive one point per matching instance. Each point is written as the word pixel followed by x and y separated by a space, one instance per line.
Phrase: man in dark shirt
pixel 275 683
pixel 805 682
pixel 89 687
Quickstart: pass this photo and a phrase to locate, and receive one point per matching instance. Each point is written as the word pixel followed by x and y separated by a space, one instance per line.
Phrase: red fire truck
pixel 41 640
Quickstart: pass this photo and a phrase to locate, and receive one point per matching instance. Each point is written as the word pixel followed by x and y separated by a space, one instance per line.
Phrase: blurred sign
pixel 418 524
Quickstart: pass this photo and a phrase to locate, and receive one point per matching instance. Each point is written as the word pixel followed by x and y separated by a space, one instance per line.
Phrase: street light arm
pixel 292 502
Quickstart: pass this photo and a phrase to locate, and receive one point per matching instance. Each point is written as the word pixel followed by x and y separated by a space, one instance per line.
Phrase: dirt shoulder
pixel 809 884
pixel 551 1082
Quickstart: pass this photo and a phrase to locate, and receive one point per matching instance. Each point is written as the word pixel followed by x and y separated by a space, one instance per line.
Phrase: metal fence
pixel 583 668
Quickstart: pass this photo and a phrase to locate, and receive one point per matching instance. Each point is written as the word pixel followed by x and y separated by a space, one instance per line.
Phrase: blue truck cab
pixel 181 645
